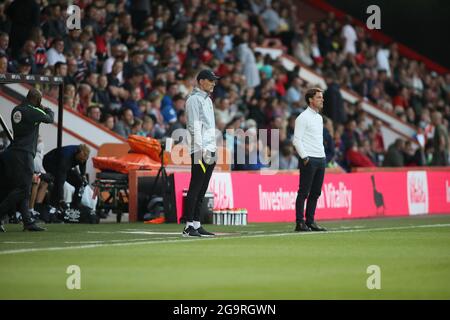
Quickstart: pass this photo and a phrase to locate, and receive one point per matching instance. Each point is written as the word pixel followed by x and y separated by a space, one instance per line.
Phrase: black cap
pixel 207 74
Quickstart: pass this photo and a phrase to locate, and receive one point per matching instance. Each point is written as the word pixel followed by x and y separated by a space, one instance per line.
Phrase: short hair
pixel 177 97
pixel 142 102
pixel 105 116
pixel 159 83
pixel 311 93
pixel 84 86
pixel 92 107
pixel 59 64
pixel 147 119
pixel 57 39
pixel 398 142
pixel 170 84
pixel 137 122
pixel 124 110
pixel 84 149
pixel 137 52
pixel 33 95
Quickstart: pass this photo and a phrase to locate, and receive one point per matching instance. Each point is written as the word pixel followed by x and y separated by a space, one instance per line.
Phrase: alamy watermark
pixel 73 21
pixel 250 147
pixel 74 280
pixel 374 280
pixel 374 20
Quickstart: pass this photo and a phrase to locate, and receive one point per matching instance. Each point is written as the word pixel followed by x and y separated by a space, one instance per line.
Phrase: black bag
pixel 80 214
pixel 155 208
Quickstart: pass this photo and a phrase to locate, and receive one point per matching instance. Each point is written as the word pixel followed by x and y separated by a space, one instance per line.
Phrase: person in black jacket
pixel 333 105
pixel 25 17
pixel 394 156
pixel 60 164
pixel 17 160
pixel 328 141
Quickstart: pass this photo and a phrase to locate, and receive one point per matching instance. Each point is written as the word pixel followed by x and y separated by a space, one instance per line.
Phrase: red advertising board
pixel 271 198
pixel 439 199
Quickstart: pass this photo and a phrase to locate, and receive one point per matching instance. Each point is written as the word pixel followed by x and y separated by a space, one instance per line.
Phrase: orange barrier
pixel 113 150
pixel 148 146
pixel 126 163
pixel 111 156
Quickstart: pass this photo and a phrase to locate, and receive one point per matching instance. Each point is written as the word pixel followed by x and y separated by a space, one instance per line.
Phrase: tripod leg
pixel 156 181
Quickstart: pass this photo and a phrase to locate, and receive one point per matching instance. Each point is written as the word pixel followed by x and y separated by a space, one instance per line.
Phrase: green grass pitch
pixel 257 261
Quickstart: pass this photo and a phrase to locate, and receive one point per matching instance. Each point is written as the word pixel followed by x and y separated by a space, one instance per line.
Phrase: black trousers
pixel 311 180
pixel 200 176
pixel 19 167
pixel 72 177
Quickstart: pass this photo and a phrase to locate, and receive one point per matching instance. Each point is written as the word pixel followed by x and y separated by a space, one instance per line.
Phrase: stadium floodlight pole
pixel 60 115
pixel 6 78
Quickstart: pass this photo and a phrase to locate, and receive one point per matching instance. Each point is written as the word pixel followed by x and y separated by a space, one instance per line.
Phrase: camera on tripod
pixel 166 144
pixel 155 197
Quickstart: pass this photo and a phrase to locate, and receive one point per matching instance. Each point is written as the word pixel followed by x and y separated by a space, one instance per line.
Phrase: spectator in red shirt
pixel 85 94
pixel 379 137
pixel 357 159
pixel 401 99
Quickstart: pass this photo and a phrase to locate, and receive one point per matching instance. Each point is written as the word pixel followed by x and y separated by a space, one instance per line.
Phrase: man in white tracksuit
pixel 201 126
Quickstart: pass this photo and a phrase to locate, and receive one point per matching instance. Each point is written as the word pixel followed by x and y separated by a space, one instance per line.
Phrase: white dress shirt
pixel 54 56
pixel 308 134
pixel 349 33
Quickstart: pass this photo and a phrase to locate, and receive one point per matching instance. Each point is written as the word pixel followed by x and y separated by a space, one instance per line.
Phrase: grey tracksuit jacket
pixel 200 121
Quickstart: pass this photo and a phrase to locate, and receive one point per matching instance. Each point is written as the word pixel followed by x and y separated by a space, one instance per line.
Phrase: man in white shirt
pixel 201 126
pixel 271 19
pixel 308 141
pixel 350 37
pixel 56 52
pixel 294 93
pixel 383 60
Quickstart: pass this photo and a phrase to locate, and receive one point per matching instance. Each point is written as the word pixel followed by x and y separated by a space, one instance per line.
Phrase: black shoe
pixel 205 233
pixel 102 213
pixel 190 232
pixel 302 227
pixel 33 227
pixel 315 227
pixel 16 218
pixel 47 214
pixel 54 219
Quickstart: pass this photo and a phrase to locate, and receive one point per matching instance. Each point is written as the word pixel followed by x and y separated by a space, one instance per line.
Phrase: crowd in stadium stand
pixel 132 64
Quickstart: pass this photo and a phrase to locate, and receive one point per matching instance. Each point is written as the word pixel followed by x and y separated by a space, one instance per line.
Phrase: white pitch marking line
pixel 15 242
pixel 354 227
pixel 100 232
pixel 150 232
pixel 136 232
pixel 168 233
pixel 80 242
pixel 103 241
pixel 219 238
